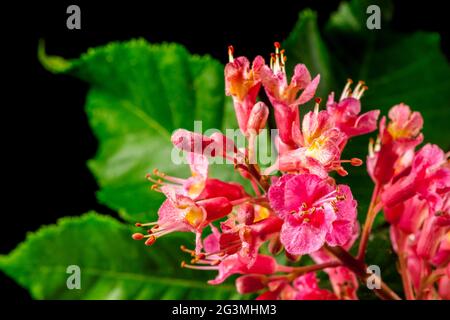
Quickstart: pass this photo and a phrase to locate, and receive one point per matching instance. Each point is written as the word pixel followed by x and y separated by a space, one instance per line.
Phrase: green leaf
pixel 112 265
pixel 139 93
pixel 305 45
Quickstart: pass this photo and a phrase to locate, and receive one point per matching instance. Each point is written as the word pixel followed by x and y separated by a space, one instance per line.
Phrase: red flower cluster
pixel 302 210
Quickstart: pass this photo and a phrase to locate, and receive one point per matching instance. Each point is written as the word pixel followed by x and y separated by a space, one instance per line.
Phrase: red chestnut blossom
pixel 232 265
pixel 285 97
pixel 239 237
pixel 307 287
pixel 243 83
pixel 427 176
pixel 345 113
pixel 304 287
pixel 395 145
pixel 315 212
pixel 304 211
pixel 319 142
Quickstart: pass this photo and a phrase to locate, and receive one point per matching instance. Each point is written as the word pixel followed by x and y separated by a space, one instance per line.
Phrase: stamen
pixel 189 266
pixel 356 162
pixel 341 197
pixel 363 89
pixel 137 236
pixel 277 46
pixel 230 53
pixel 377 144
pixel 151 240
pixel 353 161
pixel 341 171
pixel 358 86
pixel 166 177
pixel 316 105
pixel 156 188
pixel 184 249
pixel 272 60
pixel 371 152
pixel 283 57
pixel 329 197
pixel 345 91
pixel 138 224
pixel 208 262
pixel 278 59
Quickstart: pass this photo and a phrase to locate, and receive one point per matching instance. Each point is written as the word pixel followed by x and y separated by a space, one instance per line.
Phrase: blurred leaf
pixel 112 265
pixel 139 94
pixel 305 45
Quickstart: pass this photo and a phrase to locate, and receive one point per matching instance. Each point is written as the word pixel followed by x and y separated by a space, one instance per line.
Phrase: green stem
pixel 374 208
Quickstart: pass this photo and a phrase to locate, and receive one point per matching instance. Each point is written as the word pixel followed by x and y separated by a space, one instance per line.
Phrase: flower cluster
pixel 295 206
pixel 413 188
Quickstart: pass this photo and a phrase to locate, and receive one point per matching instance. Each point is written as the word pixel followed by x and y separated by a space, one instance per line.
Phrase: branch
pixel 359 268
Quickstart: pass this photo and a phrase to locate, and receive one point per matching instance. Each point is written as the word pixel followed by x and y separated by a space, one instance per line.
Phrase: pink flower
pixel 442 256
pixel 345 113
pixel 279 289
pixel 430 238
pixel 428 174
pixel 394 149
pixel 319 146
pixel 198 186
pixel 315 212
pixel 250 283
pixel 243 83
pixel 240 238
pixel 408 215
pixel 285 97
pixel 182 214
pixel 233 265
pixel 307 287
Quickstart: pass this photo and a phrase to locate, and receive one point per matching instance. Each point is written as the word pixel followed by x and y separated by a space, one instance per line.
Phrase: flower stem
pixel 298 271
pixel 409 294
pixel 372 212
pixel 359 268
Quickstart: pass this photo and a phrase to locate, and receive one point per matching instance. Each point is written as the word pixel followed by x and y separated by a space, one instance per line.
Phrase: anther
pixel 356 162
pixel 151 240
pixel 137 236
pixel 230 53
pixel 138 224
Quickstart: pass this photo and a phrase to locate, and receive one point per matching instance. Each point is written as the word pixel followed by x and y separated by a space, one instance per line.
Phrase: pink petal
pixel 309 91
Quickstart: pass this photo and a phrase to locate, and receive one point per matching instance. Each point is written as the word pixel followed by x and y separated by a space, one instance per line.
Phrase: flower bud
pixel 246 213
pixel 275 246
pixel 258 118
pixel 191 141
pixel 250 283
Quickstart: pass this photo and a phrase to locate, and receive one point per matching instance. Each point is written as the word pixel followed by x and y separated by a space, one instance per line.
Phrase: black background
pixel 45 132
